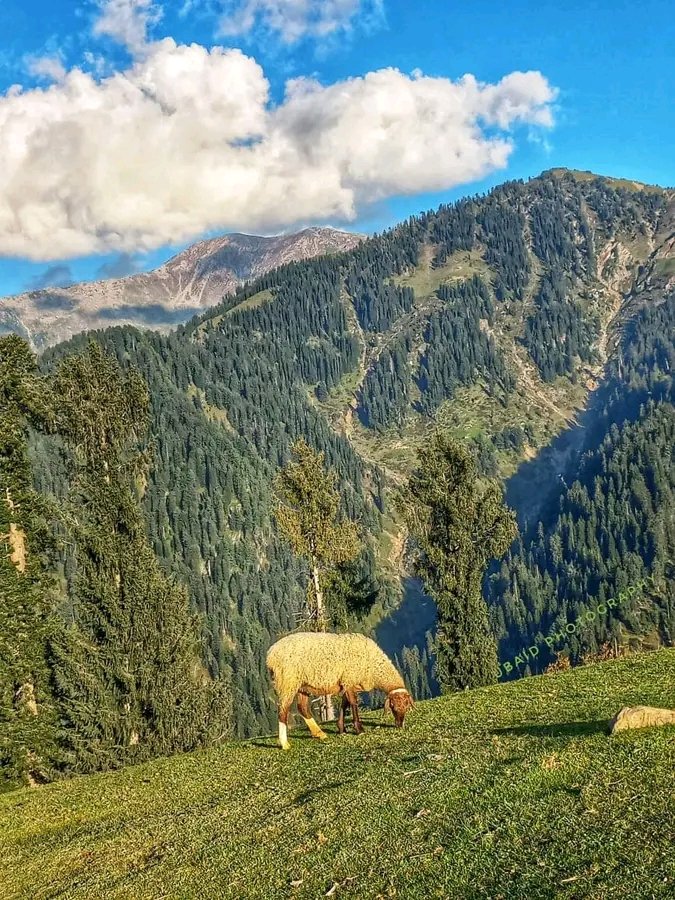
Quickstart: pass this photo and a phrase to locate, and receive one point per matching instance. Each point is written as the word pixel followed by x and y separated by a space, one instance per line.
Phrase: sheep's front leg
pixel 353 700
pixel 344 706
pixel 283 726
pixel 310 721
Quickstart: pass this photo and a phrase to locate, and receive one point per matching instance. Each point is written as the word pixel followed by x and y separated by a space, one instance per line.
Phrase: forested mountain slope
pixel 493 318
pixel 613 524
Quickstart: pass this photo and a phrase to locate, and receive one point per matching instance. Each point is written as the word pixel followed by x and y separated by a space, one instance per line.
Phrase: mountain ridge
pixel 623 271
pixel 189 282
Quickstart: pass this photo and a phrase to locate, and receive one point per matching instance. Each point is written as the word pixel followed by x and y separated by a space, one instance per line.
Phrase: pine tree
pixel 128 674
pixel 307 507
pixel 28 746
pixel 459 526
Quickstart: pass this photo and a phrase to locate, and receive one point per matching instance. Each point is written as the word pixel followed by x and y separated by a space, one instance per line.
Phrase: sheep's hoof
pixel 321 736
pixel 285 746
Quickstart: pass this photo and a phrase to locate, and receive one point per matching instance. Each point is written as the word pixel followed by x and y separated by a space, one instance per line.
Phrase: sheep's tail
pixel 274 677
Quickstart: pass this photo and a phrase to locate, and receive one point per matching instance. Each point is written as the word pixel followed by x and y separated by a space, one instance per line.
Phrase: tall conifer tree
pixel 307 507
pixel 459 526
pixel 27 720
pixel 129 675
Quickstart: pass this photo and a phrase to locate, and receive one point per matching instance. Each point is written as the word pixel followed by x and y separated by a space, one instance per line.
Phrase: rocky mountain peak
pixel 193 280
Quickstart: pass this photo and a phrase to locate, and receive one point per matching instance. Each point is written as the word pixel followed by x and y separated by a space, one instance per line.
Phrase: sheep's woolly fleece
pixel 323 663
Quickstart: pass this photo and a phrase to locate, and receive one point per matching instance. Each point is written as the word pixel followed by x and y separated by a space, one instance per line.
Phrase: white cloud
pixel 50 68
pixel 187 141
pixel 127 21
pixel 295 19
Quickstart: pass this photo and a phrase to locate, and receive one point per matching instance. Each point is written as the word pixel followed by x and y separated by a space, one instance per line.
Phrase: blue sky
pixel 81 205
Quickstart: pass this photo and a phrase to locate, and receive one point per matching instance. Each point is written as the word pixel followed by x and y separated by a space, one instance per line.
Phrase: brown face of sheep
pixel 398 702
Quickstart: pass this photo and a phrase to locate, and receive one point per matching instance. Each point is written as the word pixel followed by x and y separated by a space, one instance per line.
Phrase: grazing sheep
pixel 314 664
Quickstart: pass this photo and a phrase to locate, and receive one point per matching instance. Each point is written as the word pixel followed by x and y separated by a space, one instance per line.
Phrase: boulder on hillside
pixel 641 717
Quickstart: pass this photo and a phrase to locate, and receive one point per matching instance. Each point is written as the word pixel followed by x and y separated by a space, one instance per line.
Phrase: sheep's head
pixel 398 702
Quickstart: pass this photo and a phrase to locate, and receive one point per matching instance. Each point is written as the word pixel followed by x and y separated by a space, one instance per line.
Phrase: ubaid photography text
pixel 586 618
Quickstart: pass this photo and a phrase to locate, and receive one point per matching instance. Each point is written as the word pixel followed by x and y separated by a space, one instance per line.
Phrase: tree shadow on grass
pixel 305 796
pixel 558 729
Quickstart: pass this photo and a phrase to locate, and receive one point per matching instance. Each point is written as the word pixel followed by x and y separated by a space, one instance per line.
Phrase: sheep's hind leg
pixel 310 721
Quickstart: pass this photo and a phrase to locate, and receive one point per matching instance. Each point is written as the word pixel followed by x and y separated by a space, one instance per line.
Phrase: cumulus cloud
pixel 127 22
pixel 55 276
pixel 295 19
pixel 187 140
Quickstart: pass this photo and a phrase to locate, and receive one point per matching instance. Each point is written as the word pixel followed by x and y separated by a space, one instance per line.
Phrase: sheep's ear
pixel 387 705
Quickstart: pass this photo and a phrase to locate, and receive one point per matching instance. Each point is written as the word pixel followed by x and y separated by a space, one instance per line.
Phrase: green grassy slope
pixel 514 791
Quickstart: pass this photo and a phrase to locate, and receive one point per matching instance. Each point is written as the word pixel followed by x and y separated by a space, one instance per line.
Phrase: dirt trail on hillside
pixel 527 377
pixel 346 417
pixel 397 552
pixel 614 286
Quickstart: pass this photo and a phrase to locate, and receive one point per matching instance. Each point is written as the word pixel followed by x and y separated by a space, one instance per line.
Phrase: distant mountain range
pixel 187 284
